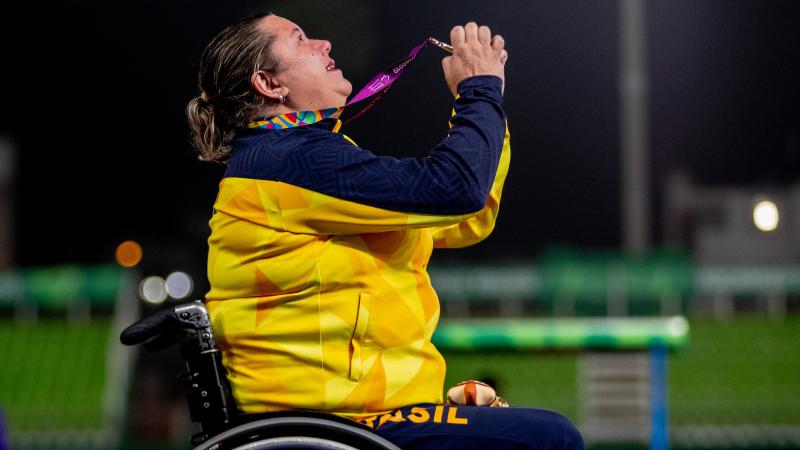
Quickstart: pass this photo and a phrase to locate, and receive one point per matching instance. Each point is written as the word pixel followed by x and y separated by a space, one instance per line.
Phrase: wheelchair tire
pixel 295 442
pixel 289 431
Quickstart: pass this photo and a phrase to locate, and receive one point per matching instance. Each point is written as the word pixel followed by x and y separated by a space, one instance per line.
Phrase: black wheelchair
pixel 211 403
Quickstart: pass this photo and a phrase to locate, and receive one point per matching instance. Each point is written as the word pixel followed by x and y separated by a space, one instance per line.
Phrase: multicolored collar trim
pixel 297 119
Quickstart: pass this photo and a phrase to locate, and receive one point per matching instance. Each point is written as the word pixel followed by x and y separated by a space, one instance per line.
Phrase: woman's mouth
pixel 331 66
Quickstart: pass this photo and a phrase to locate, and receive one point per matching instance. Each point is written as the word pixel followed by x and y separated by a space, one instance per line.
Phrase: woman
pixel 319 295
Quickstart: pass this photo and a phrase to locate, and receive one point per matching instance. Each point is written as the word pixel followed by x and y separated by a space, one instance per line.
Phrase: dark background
pixel 93 96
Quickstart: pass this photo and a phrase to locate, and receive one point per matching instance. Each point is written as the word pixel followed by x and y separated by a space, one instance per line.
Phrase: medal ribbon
pixel 377 88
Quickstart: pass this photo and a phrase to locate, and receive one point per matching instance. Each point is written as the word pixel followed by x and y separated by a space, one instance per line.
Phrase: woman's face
pixel 305 68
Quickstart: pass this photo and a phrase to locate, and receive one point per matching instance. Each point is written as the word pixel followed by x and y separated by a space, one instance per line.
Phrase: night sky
pixel 93 96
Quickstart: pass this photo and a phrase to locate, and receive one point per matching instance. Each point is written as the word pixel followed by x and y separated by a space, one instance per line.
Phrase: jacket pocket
pixel 359 333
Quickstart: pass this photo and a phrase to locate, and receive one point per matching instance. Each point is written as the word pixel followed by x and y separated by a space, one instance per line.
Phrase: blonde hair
pixel 227 99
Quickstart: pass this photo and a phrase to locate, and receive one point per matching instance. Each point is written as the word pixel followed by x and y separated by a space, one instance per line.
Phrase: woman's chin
pixel 344 93
pixel 347 88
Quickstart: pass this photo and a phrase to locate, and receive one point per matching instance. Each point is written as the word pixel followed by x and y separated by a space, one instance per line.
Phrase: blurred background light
pixel 766 216
pixel 128 254
pixel 153 290
pixel 678 326
pixel 179 285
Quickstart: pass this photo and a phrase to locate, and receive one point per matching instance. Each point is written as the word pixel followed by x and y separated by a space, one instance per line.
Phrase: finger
pixel 498 43
pixel 471 31
pixel 457 36
pixel 446 62
pixel 503 57
pixel 484 35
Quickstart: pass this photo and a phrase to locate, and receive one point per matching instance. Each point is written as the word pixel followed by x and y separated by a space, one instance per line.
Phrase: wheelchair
pixel 211 403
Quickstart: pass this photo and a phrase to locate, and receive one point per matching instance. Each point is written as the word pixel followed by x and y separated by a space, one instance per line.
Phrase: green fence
pixel 589 283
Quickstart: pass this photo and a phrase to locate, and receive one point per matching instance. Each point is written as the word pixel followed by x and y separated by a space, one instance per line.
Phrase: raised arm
pixel 327 185
pixel 369 193
pixel 478 227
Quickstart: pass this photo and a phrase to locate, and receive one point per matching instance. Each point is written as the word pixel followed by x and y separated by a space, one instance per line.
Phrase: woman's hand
pixel 475 52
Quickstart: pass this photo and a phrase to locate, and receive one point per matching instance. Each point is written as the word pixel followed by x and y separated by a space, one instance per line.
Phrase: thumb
pixel 446 63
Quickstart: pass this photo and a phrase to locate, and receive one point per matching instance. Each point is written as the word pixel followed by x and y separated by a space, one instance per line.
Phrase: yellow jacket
pixel 323 301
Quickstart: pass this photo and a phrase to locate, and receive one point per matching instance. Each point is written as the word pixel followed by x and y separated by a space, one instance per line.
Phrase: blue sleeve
pixel 454 179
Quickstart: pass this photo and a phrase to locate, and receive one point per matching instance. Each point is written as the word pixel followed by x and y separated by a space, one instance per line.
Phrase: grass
pixel 741 371
pixel 52 374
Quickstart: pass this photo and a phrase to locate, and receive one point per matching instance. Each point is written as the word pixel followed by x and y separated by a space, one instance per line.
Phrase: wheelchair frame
pixel 212 405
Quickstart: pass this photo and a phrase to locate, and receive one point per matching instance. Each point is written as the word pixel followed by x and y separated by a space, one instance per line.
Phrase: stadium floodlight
pixel 153 290
pixel 179 285
pixel 766 216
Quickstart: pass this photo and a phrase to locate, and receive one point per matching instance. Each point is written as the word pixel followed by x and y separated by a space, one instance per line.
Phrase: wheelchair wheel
pixel 296 431
pixel 303 442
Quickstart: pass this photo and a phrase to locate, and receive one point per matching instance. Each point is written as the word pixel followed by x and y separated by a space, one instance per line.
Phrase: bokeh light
pixel 766 216
pixel 179 285
pixel 153 290
pixel 128 254
pixel 678 326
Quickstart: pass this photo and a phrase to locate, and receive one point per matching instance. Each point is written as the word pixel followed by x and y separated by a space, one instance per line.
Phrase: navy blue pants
pixel 428 426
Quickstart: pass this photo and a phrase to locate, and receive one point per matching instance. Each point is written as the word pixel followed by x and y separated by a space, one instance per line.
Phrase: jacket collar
pixel 301 118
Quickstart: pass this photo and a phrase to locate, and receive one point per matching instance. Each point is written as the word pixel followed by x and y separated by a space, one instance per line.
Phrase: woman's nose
pixel 324 45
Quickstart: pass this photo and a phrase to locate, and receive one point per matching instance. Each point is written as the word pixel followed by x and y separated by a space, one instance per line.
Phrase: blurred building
pixel 733 224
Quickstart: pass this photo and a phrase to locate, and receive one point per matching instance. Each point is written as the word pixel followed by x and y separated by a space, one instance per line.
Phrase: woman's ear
pixel 267 84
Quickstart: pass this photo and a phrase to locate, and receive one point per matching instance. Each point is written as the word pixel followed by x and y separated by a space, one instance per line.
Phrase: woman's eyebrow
pixel 297 30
